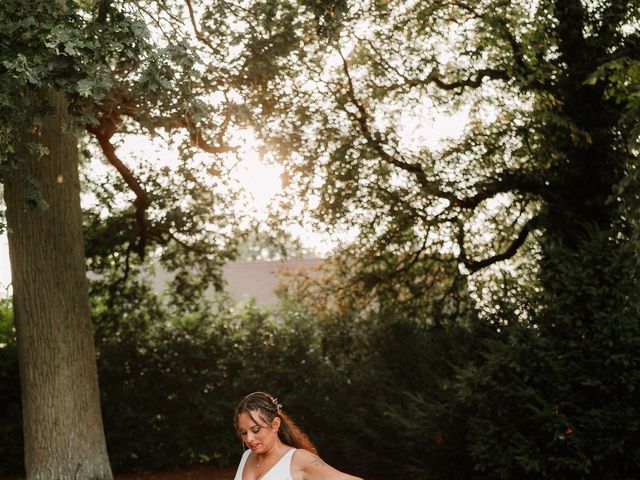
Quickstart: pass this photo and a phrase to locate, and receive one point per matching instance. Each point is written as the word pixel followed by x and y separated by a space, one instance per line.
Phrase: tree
pixel 68 69
pixel 541 181
pixel 528 112
pixel 544 170
pixel 61 411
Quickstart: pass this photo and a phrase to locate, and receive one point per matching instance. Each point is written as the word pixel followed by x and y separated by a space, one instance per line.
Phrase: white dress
pixel 281 470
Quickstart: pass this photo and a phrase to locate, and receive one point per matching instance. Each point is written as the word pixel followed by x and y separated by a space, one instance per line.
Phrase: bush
pixel 394 420
pixel 558 397
pixel 170 380
pixel 11 440
pixel 170 383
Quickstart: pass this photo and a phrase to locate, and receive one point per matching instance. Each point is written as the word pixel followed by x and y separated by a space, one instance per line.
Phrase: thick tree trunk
pixel 64 436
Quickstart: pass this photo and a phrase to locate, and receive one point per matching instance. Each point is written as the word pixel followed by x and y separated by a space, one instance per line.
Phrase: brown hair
pixel 288 433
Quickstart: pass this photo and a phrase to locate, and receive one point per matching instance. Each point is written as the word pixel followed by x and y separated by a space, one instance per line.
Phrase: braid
pixel 288 433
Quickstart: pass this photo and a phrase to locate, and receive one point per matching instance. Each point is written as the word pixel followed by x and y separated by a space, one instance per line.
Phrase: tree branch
pixel 509 252
pixel 414 258
pixel 103 133
pixel 472 81
pixel 507 181
pixel 199 141
pixel 194 25
pixel 375 141
pixel 159 232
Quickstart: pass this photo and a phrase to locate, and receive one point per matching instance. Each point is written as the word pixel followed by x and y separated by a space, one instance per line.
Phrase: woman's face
pixel 256 433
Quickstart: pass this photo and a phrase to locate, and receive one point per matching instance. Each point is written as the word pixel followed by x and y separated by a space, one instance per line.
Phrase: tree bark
pixel 63 430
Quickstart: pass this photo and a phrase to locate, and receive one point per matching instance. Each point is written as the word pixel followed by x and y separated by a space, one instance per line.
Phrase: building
pixel 260 280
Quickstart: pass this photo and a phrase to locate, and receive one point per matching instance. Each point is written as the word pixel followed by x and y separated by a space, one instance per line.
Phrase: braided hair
pixel 269 408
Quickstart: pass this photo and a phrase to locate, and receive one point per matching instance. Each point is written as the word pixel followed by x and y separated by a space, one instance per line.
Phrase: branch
pixel 374 140
pixel 199 34
pixel 507 181
pixel 103 133
pixel 159 232
pixel 199 141
pixel 414 258
pixel 511 250
pixel 473 81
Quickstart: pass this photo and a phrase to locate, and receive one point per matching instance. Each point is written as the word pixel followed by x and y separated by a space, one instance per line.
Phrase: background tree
pixel 540 182
pixel 105 68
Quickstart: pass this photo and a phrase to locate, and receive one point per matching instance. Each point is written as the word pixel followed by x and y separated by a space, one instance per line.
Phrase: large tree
pixel 73 72
pixel 544 132
pixel 538 185
pixel 61 410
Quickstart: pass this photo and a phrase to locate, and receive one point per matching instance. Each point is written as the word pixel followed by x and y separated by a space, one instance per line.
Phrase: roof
pixel 260 280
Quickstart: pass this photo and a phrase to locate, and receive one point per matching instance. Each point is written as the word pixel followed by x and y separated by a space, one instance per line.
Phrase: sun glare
pixel 261 180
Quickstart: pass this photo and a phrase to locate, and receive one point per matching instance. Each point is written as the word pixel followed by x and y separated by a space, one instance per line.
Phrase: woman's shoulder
pixel 306 464
pixel 243 461
pixel 302 455
pixel 303 459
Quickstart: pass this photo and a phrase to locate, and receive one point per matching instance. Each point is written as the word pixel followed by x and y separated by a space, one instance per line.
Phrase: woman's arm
pixel 307 466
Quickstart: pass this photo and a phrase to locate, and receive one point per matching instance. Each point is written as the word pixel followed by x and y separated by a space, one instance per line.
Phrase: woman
pixel 277 448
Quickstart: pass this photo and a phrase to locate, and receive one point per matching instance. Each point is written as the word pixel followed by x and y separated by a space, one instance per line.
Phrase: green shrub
pixel 11 443
pixel 170 383
pixel 558 397
pixel 170 380
pixel 393 419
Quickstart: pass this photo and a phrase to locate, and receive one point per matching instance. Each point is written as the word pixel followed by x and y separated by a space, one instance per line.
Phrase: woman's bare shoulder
pixel 302 458
pixel 309 466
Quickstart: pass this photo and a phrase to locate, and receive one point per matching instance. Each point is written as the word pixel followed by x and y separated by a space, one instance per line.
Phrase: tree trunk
pixel 63 431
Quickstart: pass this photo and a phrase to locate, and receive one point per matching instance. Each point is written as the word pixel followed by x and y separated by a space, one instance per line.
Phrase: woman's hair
pixel 269 408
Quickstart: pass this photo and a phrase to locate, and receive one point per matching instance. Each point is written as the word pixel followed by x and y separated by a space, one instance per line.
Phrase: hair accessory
pixel 275 402
pixel 271 398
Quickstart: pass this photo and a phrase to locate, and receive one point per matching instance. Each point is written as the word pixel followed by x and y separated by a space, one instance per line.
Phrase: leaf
pixel 592 79
pixel 85 88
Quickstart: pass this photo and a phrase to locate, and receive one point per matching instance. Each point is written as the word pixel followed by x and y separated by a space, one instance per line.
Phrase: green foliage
pixel 494 399
pixel 541 384
pixel 56 45
pixel 546 156
pixel 192 229
pixel 559 398
pixel 401 388
pixel 170 381
pixel 11 412
pixel 622 78
pixel 129 68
